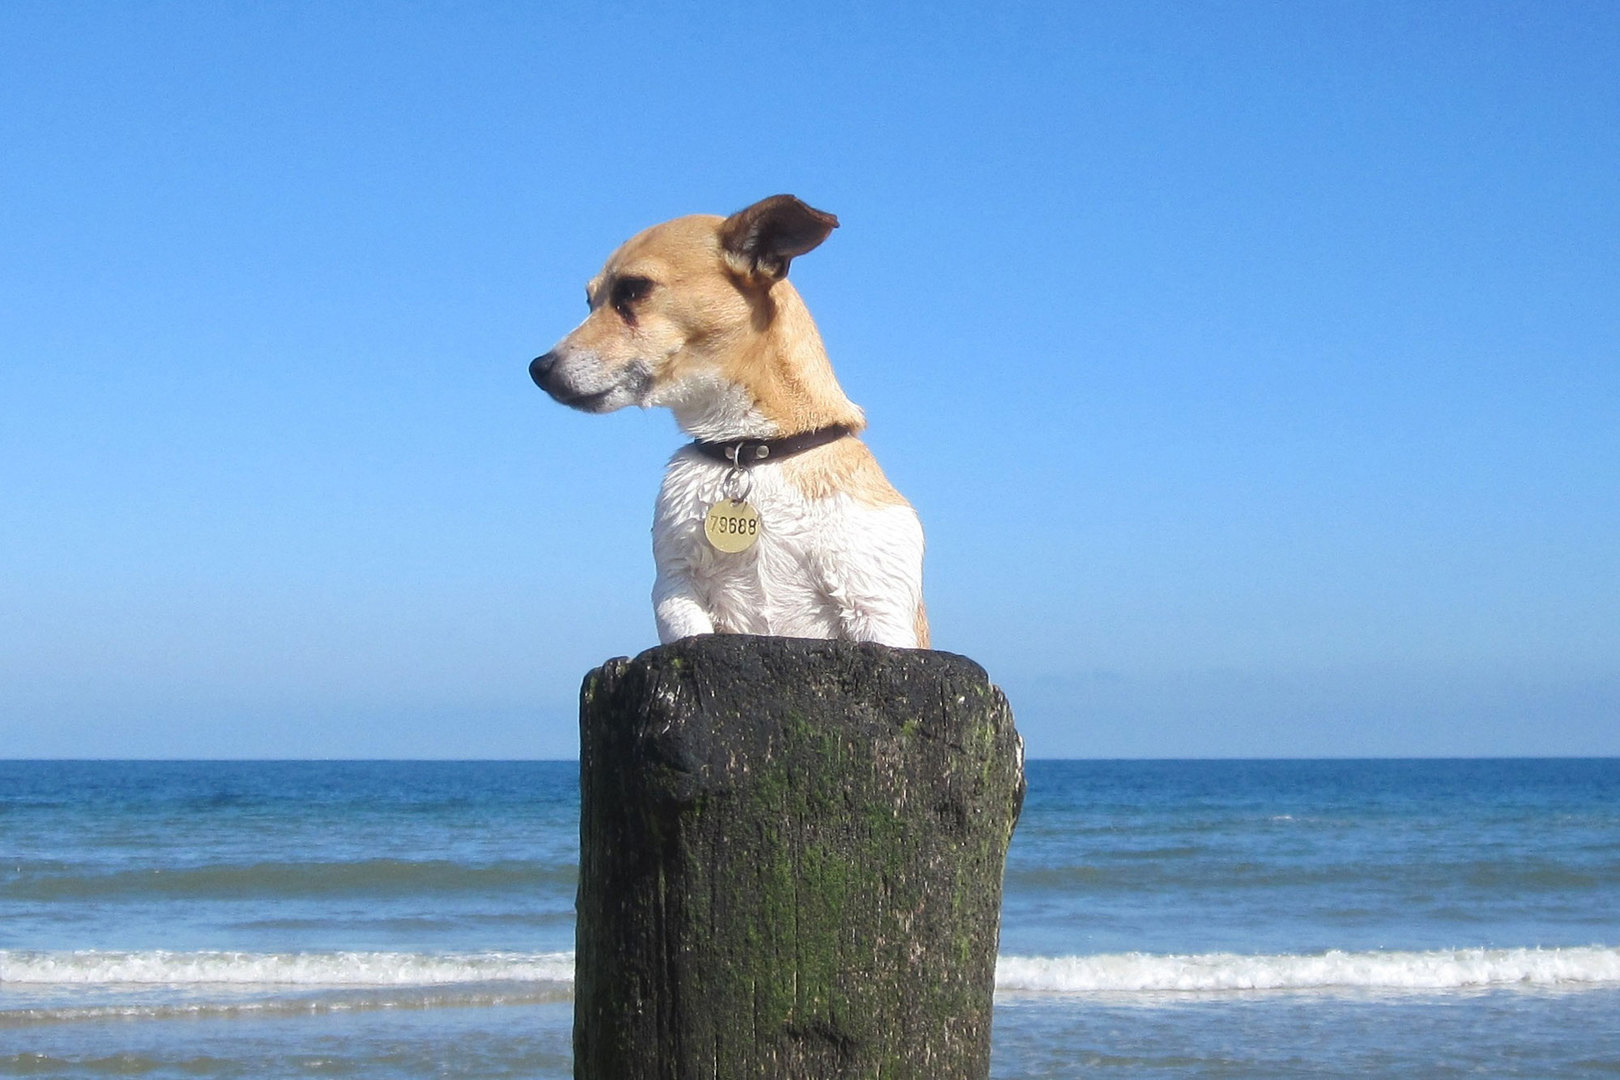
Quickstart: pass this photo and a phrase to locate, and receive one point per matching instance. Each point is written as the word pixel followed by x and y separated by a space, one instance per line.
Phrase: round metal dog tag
pixel 732 525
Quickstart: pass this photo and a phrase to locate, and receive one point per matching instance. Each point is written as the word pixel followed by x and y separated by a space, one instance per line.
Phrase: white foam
pixel 302 1003
pixel 104 969
pixel 1455 969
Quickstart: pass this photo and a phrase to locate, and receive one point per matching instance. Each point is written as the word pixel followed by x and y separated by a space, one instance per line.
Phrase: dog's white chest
pixel 817 563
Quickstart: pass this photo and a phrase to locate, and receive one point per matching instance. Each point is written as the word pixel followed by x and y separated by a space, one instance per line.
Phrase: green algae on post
pixel 791 861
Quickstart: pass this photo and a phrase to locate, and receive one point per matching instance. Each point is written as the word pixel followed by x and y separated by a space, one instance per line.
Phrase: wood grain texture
pixel 791 862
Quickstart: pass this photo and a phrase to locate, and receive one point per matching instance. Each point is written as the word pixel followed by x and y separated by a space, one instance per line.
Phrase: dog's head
pixel 686 305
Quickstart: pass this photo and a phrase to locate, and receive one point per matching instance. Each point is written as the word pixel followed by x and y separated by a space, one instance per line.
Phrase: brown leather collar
pixel 745 452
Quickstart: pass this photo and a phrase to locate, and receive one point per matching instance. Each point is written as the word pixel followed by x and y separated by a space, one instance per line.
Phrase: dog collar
pixel 742 453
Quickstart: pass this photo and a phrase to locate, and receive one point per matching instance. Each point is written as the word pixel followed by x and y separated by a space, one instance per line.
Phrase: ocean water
pixel 1162 919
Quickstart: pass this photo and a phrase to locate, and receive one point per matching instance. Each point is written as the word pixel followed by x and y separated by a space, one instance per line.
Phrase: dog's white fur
pixel 697 315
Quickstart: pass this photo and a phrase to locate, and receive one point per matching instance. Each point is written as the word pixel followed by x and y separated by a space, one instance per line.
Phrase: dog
pixel 776 518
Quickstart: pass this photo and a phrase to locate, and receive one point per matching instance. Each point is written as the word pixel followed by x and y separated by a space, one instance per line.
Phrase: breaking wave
pixel 1446 969
pixel 54 987
pixel 109 970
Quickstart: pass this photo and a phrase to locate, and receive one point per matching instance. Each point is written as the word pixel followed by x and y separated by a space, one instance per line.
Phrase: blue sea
pixel 1162 919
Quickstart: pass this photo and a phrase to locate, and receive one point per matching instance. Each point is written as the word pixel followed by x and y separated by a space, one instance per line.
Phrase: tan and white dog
pixel 697 315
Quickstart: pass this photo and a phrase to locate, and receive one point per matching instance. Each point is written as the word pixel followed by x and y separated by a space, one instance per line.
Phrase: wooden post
pixel 791 855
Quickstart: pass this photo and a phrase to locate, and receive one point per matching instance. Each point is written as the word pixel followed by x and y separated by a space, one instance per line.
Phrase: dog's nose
pixel 539 366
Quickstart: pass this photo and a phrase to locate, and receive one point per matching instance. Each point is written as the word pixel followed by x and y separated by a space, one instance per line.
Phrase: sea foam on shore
pixel 1436 970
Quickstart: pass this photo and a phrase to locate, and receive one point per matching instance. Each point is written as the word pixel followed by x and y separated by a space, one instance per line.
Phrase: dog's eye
pixel 627 291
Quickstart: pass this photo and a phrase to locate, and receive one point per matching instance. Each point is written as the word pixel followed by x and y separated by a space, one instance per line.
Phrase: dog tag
pixel 732 525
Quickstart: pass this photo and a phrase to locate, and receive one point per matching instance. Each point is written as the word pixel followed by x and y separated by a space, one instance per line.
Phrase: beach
pixel 1161 919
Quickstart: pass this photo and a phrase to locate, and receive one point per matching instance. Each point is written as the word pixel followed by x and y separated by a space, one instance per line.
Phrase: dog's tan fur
pixel 699 314
pixel 846 467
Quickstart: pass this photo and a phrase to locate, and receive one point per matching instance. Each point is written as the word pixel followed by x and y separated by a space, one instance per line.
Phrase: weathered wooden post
pixel 791 861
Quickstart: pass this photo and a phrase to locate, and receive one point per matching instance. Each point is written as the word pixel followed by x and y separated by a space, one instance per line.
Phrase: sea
pixel 1427 918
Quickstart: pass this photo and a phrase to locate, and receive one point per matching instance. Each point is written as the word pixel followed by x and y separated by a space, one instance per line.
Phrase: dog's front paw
pixel 679 614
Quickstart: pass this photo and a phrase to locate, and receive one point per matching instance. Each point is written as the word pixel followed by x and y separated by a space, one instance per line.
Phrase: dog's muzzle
pixel 551 375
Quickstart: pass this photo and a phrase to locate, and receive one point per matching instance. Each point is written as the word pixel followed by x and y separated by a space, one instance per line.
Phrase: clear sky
pixel 1255 368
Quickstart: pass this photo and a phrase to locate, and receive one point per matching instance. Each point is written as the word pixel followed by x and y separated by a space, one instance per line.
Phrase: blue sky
pixel 1255 367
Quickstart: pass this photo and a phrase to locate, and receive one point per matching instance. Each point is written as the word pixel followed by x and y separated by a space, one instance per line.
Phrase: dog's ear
pixel 762 239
